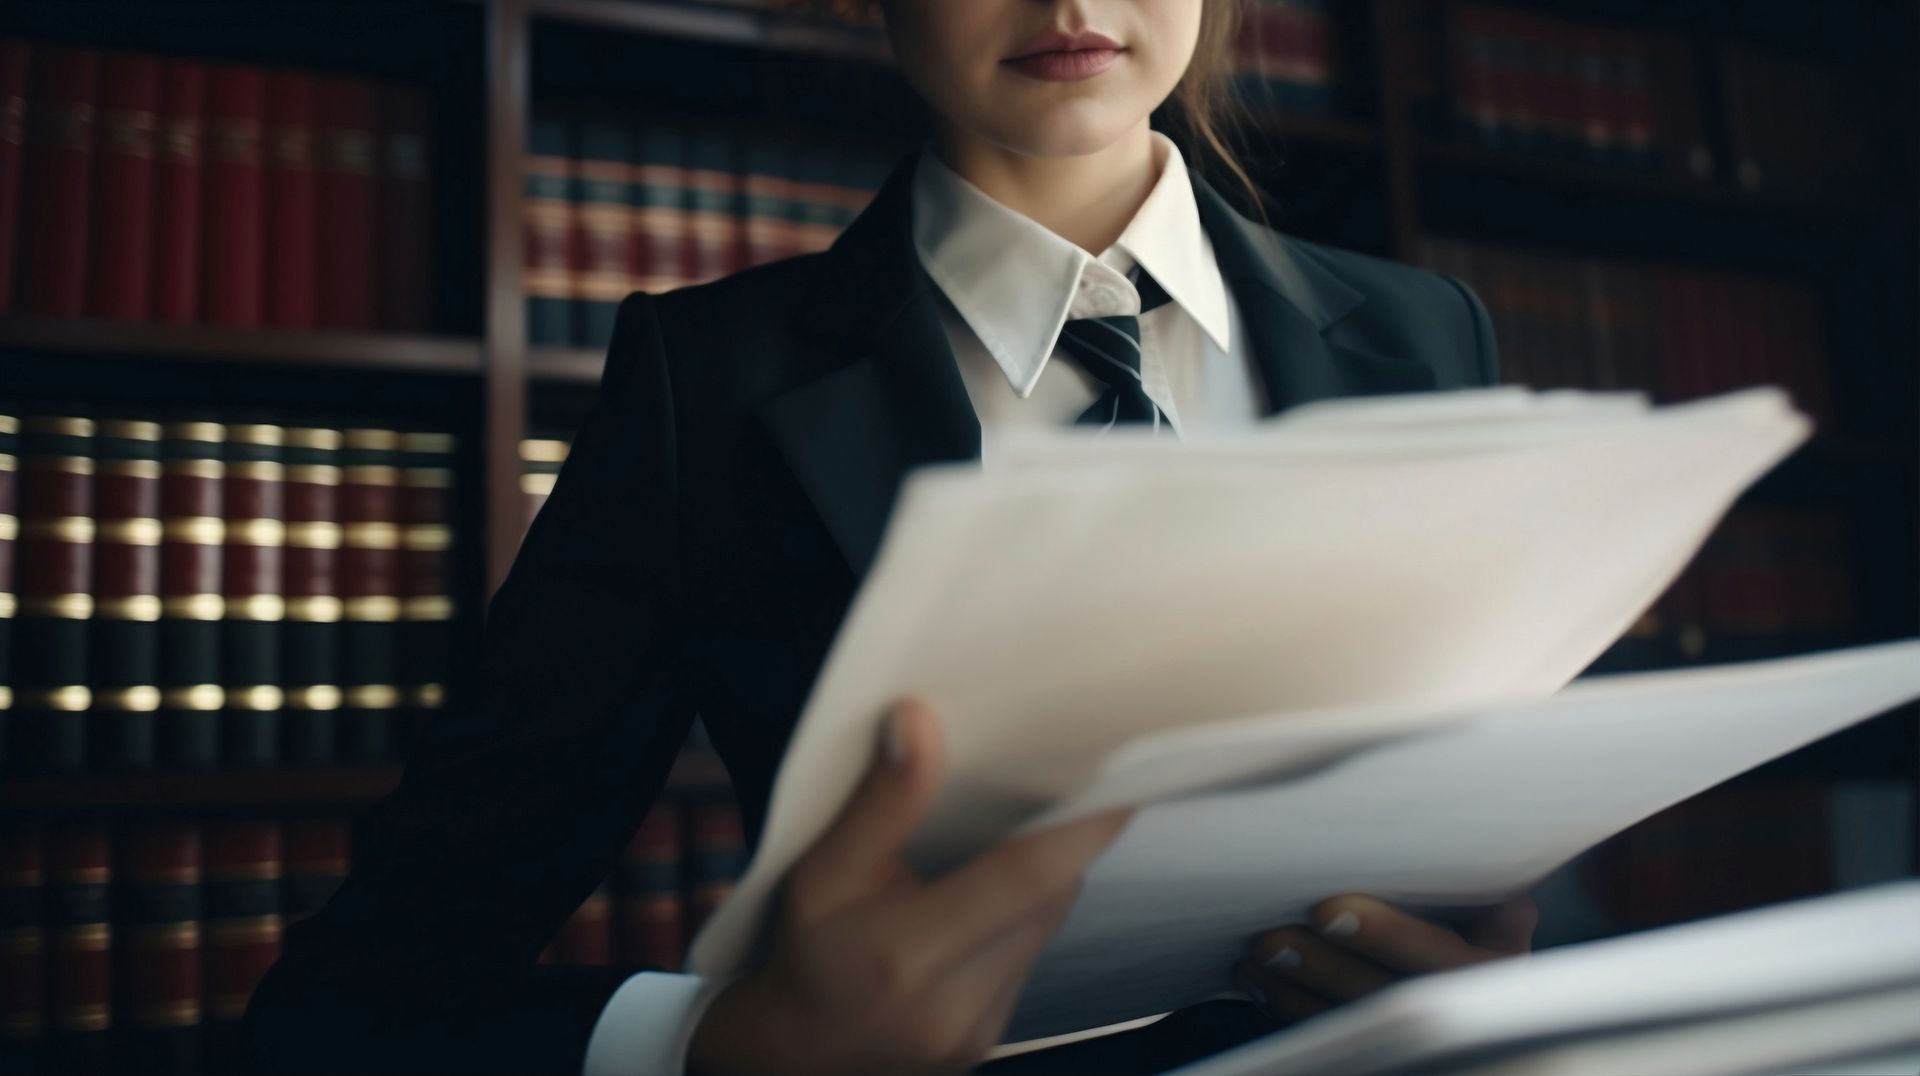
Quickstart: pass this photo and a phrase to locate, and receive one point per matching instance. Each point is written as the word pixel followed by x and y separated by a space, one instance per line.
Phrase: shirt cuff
pixel 647 1025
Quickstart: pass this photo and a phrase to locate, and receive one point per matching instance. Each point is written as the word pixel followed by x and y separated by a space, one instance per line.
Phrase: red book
pixel 120 283
pixel 232 294
pixel 79 941
pixel 23 943
pixel 13 136
pixel 159 906
pixel 587 935
pixel 405 201
pixel 347 123
pixel 716 855
pixel 176 200
pixel 59 180
pixel 319 855
pixel 244 865
pixel 291 209
pixel 652 921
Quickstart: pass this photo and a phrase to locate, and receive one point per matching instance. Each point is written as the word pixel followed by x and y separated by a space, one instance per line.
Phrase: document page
pixel 1469 811
pixel 1156 588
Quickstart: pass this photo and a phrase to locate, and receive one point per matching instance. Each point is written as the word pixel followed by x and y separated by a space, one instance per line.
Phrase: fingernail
pixel 1343 925
pixel 896 739
pixel 1287 957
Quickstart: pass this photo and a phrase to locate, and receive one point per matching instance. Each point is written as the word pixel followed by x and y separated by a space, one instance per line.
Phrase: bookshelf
pixel 1370 174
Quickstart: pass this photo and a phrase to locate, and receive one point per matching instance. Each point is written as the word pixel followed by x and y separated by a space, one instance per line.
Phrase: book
pixel 123 645
pixel 46 730
pixel 232 273
pixel 192 537
pixel 119 278
pixel 310 661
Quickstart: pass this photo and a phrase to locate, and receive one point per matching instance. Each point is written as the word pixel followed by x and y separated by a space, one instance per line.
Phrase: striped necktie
pixel 1108 348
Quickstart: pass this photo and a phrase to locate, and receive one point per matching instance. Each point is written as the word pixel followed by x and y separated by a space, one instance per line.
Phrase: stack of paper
pixel 1827 985
pixel 1118 618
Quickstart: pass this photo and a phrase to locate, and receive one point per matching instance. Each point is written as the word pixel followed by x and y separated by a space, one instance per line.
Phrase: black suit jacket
pixel 719 507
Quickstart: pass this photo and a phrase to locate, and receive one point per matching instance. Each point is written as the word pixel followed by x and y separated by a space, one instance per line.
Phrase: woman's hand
pixel 874 969
pixel 1358 944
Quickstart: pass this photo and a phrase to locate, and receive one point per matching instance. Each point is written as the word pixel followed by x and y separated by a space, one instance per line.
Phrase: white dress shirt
pixel 1007 284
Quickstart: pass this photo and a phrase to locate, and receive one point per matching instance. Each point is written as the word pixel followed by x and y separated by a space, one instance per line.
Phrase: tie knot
pixel 1151 293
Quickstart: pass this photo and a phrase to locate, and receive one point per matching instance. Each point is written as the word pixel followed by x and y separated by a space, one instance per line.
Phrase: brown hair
pixel 1203 111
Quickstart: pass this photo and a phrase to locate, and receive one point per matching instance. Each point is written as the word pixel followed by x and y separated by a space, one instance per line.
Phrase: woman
pixel 720 505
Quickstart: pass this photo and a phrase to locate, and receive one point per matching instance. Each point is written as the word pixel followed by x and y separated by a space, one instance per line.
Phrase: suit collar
pixel 887 394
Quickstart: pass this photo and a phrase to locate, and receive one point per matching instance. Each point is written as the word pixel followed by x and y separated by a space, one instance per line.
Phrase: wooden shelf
pixel 566 365
pixel 1443 154
pixel 343 786
pixel 745 25
pixel 279 347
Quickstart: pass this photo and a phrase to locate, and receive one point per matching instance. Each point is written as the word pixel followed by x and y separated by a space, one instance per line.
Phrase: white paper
pixel 1865 942
pixel 1053 611
pixel 1468 811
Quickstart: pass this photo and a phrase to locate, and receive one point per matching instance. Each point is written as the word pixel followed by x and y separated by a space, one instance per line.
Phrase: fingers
pixel 860 850
pixel 1298 956
pixel 999 971
pixel 1507 927
pixel 996 890
pixel 1286 1001
pixel 1391 937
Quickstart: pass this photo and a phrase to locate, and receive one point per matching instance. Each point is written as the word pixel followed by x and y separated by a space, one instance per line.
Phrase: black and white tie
pixel 1108 348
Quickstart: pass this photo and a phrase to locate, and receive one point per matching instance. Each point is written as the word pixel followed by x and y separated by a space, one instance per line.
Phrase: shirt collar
pixel 1014 280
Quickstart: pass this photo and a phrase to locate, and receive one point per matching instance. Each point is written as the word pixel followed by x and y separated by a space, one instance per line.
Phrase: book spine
pixel 157 928
pixel 319 856
pixel 243 927
pixel 813 169
pixel 253 498
pixel 426 590
pixel 292 207
pixel 652 920
pixel 348 126
pixel 310 636
pixel 192 534
pixel 124 645
pixel 406 291
pixel 370 585
pixel 656 192
pixel 15 56
pixel 717 855
pixel 765 192
pixel 120 278
pixel 48 730
pixel 540 460
pixel 605 226
pixel 23 937
pixel 586 937
pixel 177 177
pixel 80 946
pixel 549 229
pixel 60 171
pixel 713 190
pixel 9 586
pixel 232 293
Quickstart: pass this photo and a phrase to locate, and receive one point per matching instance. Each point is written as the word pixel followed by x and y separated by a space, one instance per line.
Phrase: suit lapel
pixel 886 395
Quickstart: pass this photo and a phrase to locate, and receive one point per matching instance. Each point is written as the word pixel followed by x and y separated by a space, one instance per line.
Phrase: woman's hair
pixel 1203 111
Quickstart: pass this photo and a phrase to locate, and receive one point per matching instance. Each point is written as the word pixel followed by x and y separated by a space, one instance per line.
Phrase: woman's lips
pixel 1065 66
